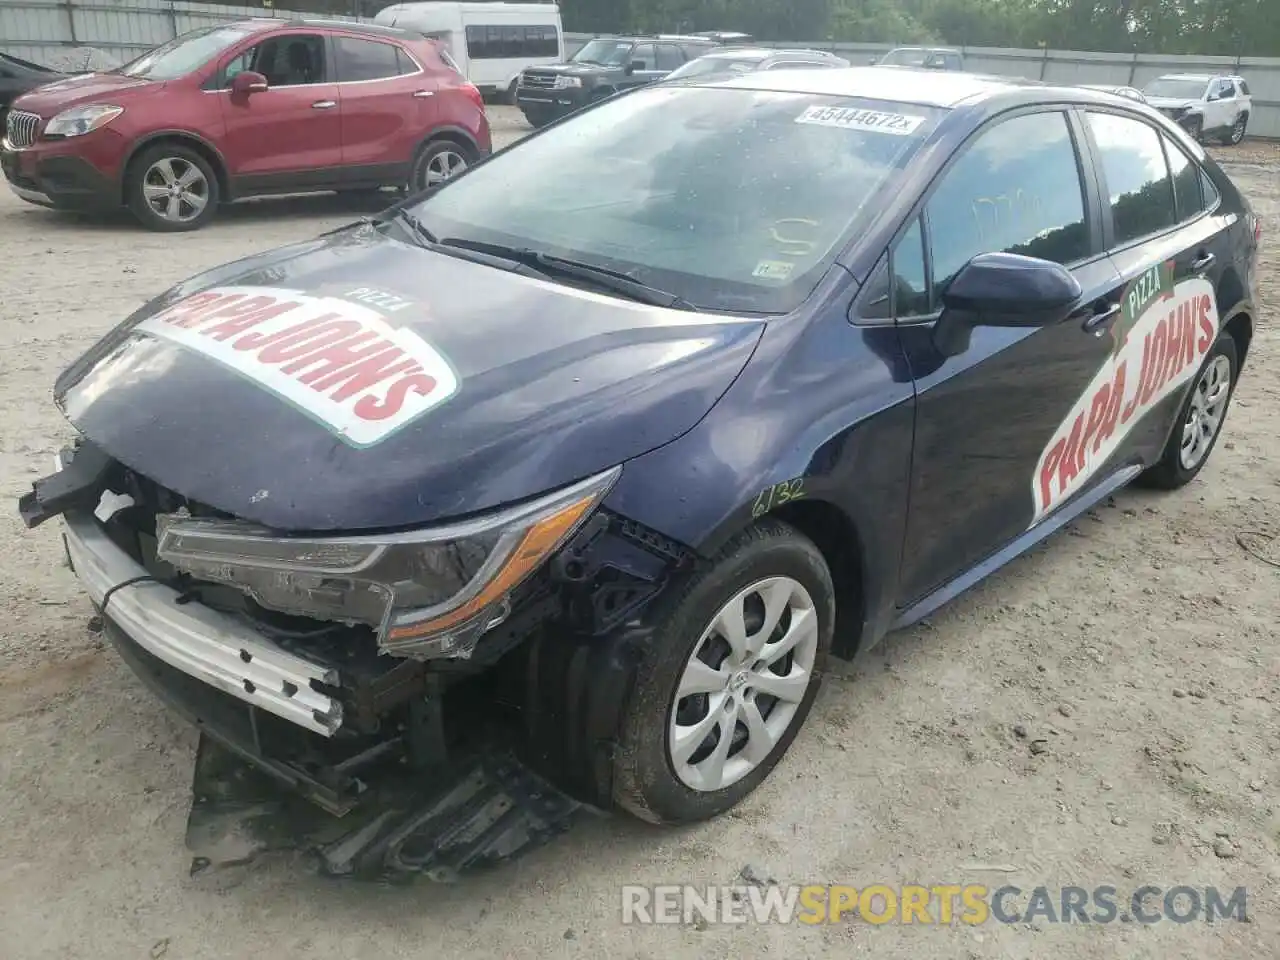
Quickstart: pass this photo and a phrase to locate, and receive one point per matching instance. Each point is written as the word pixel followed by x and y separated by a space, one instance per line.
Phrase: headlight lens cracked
pixel 429 593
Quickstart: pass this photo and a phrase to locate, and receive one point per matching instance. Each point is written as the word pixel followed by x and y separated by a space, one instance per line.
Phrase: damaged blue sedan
pixel 557 486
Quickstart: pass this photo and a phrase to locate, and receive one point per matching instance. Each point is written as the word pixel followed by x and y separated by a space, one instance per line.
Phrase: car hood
pixel 571 69
pixel 357 383
pixel 51 98
pixel 1171 103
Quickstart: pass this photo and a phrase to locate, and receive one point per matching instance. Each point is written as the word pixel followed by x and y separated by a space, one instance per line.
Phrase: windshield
pixel 183 54
pixel 608 53
pixel 1176 89
pixel 735 200
pixel 905 58
pixel 714 67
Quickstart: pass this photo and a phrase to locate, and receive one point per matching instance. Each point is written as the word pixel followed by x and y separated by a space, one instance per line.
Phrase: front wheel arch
pixel 180 138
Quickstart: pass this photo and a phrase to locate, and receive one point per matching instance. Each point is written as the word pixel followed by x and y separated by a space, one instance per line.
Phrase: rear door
pixel 389 104
pixel 989 419
pixel 290 135
pixel 1170 246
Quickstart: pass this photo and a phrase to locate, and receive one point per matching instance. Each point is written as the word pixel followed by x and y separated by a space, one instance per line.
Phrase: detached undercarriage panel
pixel 479 807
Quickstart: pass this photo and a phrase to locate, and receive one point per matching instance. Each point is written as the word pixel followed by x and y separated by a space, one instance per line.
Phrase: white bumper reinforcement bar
pixel 201 642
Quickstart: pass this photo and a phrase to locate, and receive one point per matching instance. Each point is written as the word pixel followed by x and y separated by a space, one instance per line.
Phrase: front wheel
pixel 171 188
pixel 1200 419
pixel 1195 129
pixel 738 660
pixel 438 161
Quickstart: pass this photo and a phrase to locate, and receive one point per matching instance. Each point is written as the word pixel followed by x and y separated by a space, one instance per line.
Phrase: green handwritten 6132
pixel 777 495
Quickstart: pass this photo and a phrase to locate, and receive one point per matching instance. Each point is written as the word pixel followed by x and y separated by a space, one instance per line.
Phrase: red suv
pixel 246 109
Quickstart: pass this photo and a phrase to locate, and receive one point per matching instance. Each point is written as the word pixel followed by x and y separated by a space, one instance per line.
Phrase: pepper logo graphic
pixel 337 361
pixel 1163 333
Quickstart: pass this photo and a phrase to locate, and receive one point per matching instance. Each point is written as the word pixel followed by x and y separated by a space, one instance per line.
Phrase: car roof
pixel 318 23
pixel 1198 77
pixel 911 85
pixel 761 53
pixel 927 49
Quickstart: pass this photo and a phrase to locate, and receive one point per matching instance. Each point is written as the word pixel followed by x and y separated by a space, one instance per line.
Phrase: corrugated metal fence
pixel 46 30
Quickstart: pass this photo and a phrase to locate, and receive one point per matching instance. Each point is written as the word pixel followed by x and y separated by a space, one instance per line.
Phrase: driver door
pixel 288 137
pixel 644 59
pixel 989 418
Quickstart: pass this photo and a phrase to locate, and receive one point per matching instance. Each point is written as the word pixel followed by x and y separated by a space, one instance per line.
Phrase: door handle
pixel 1203 264
pixel 423 94
pixel 1101 318
pixel 324 104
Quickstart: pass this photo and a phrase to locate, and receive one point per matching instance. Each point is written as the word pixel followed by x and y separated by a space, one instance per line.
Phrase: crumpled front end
pixel 320 728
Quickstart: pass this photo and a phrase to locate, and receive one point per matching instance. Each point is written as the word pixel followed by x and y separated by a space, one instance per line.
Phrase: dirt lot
pixel 1140 646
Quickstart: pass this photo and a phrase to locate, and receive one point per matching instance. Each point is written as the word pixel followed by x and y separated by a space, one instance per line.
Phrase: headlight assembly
pixel 565 83
pixel 429 593
pixel 81 120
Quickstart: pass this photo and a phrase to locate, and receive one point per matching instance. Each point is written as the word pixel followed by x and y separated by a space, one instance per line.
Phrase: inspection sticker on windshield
pixel 773 270
pixel 851 118
pixel 339 362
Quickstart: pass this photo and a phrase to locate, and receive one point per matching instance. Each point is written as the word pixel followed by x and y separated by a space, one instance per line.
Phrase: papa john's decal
pixel 340 362
pixel 1158 342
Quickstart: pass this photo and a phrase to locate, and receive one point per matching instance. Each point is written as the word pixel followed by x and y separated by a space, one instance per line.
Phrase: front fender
pixel 823 412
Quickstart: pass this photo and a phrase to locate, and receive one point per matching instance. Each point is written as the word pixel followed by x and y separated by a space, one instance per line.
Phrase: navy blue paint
pixel 555 386
pixel 930 457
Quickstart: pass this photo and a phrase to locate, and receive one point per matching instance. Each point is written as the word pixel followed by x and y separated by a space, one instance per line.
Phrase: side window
pixel 669 56
pixel 645 54
pixel 444 55
pixel 1208 189
pixel 477 43
pixel 1138 182
pixel 1015 189
pixel 953 61
pixel 1223 90
pixel 367 60
pixel 1186 182
pixel 693 51
pixel 287 61
pixel 901 290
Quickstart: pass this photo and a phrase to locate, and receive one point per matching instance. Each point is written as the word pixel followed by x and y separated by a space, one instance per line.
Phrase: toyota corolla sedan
pixel 596 453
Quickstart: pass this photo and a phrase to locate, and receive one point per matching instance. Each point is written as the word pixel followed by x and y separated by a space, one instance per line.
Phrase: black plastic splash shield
pixel 484 810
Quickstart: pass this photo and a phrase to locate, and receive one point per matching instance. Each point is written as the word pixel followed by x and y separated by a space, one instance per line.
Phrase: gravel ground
pixel 1136 651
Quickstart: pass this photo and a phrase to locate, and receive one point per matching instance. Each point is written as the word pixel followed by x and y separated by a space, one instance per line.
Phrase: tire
pixel 1235 135
pixel 1195 129
pixel 648 780
pixel 146 178
pixel 1173 470
pixel 433 158
pixel 511 92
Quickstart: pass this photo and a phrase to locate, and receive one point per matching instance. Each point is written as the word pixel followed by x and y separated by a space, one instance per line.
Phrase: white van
pixel 492 41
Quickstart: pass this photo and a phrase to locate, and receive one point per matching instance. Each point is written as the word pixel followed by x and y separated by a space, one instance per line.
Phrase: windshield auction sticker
pixel 1159 341
pixel 339 362
pixel 850 118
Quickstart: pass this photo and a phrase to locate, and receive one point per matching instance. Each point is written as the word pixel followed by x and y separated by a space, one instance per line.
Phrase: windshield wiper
pixel 495 257
pixel 613 281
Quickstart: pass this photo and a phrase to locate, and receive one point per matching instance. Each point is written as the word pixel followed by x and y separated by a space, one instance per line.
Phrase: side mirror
pixel 1004 290
pixel 247 82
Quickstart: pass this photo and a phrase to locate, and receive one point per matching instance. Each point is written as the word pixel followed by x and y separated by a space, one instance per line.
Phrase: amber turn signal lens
pixel 534 547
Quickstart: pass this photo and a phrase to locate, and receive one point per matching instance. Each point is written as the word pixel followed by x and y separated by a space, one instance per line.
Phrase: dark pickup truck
pixel 603 67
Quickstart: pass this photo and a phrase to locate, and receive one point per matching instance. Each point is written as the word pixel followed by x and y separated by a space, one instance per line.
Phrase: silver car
pixel 730 61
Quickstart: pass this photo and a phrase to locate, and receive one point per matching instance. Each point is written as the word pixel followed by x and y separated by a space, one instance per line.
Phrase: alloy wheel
pixel 743 684
pixel 1237 129
pixel 175 189
pixel 441 166
pixel 1206 413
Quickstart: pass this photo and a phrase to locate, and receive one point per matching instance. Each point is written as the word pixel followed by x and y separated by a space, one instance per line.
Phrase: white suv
pixel 1204 105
